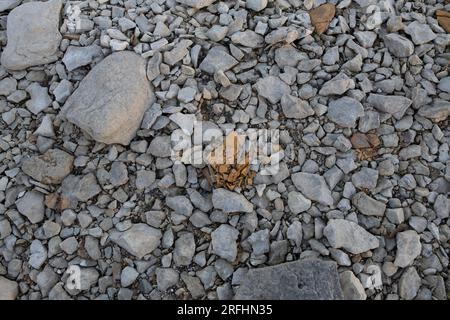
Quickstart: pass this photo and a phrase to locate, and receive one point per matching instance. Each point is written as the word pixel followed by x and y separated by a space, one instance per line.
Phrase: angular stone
pixel 365 178
pixel 437 112
pixel 394 105
pixel 256 5
pixel 351 286
pixel 229 201
pixel 80 188
pixel 248 38
pixel 50 168
pixel 298 280
pixel 272 88
pixel 40 100
pixel 409 284
pixel 166 278
pixel 217 59
pixel 295 108
pixel 350 236
pixel 110 101
pixel 345 112
pixel 153 66
pixel 313 186
pixel 223 241
pixel 408 248
pixel 184 249
pixel 76 57
pixel 367 205
pixel 297 202
pixel 420 33
pixel 139 240
pixel 337 86
pixel 33 35
pixel 398 45
pixel 31 205
pixel 197 4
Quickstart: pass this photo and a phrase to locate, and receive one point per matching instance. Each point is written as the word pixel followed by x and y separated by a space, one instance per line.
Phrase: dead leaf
pixel 365 145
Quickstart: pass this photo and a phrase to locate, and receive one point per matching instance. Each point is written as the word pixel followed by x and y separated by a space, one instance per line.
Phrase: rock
pixel 295 108
pixel 217 59
pixel 7 86
pixel 80 188
pixel 345 111
pixel 443 18
pixel 298 280
pixel 223 241
pixel 128 276
pixel 8 5
pixel 38 254
pixel 260 242
pixel 337 86
pixel 256 5
pixel 350 236
pixel 186 94
pixel 313 187
pixel 409 284
pixel 365 178
pixel 50 168
pixel 272 88
pixel 69 245
pixel 217 33
pixel 247 38
pixel 139 240
pixel 177 53
pixel 367 205
pixel 408 248
pixel 8 289
pixel 229 201
pixel 153 66
pixel 45 129
pixel 297 202
pixel 444 84
pixel 394 105
pixel 31 205
pixel 160 147
pixel 352 288
pixel 63 90
pixel 76 57
pixel 180 204
pixel 420 33
pixel 194 285
pixel 111 118
pixel 145 179
pixel 166 278
pixel 437 112
pixel 40 100
pixel 184 249
pixel 118 175
pixel 398 45
pixel 33 35
pixel 197 4
pixel 412 151
pixel 322 16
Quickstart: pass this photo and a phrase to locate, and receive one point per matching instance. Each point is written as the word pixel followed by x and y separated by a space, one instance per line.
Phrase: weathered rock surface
pixel 50 168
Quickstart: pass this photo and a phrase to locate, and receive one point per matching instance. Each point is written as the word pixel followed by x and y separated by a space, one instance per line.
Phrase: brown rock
pixel 50 168
pixel 322 16
pixel 443 18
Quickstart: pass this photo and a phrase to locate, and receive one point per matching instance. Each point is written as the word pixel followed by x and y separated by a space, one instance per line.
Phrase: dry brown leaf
pixel 365 145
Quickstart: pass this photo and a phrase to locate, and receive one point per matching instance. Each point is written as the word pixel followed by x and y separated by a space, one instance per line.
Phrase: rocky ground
pixel 91 93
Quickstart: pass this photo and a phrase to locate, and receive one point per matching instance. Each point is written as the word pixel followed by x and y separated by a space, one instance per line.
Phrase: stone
pixel 298 280
pixel 443 18
pixel 8 5
pixel 444 84
pixel 50 168
pixel 186 94
pixel 177 53
pixel 145 179
pixel 31 205
pixel 180 204
pixel 76 57
pixel 40 100
pixel 297 203
pixel 260 242
pixel 437 112
pixel 38 254
pixel 153 66
pixel 365 178
pixel 295 108
pixel 69 245
pixel 420 33
pixel 9 290
pixel 408 248
pixel 223 241
pixel 197 4
pixel 398 45
pixel 409 284
pixel 272 88
pixel 160 146
pixel 256 5
pixel 217 33
pixel 248 38
pixel 166 278
pixel 63 90
pixel 106 117
pixel 184 249
pixel 367 205
pixel 229 201
pixel 33 35
pixel 217 59
pixel 322 16
pixel 350 236
pixel 139 240
pixel 345 112
pixel 337 86
pixel 394 105
pixel 128 276
pixel 352 288
pixel 313 187
pixel 80 188
pixel 118 174
pixel 7 86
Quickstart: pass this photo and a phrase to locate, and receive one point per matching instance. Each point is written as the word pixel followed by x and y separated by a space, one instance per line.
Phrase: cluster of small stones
pixel 92 91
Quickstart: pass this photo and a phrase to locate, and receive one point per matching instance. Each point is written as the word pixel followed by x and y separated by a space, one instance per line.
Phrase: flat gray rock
pixel 298 280
pixel 398 45
pixel 345 111
pixel 229 201
pixel 8 289
pixel 217 59
pixel 33 35
pixel 111 100
pixel 76 57
pixel 394 105
pixel 313 187
pixel 272 88
pixel 50 168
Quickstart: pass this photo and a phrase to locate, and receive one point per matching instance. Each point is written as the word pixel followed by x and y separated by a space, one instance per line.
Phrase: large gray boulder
pixel 33 35
pixel 111 100
pixel 298 280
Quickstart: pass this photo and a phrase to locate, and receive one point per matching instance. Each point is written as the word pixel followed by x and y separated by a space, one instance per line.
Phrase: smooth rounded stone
pixel 313 187
pixel 408 248
pixel 256 5
pixel 345 112
pixel 365 178
pixel 299 280
pixel 409 284
pixel 297 202
pixel 128 276
pixel 50 168
pixel 223 241
pixel 139 240
pixel 76 57
pixel 9 289
pixel 248 38
pixel 367 205
pixel 229 201
pixel 420 33
pixel 160 146
pixel 394 105
pixel 272 88
pixel 350 236
pixel 295 108
pixel 111 100
pixel 217 59
pixel 197 4
pixel 166 278
pixel 31 205
pixel 398 45
pixel 33 35
pixel 184 249
pixel 38 254
pixel 352 288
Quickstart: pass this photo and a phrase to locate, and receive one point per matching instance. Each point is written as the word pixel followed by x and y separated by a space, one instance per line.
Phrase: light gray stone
pixel 229 201
pixel 408 248
pixel 398 45
pixel 9 290
pixel 351 286
pixel 76 57
pixel 295 108
pixel 367 205
pixel 394 105
pixel 272 88
pixel 31 205
pixel 313 186
pixel 223 241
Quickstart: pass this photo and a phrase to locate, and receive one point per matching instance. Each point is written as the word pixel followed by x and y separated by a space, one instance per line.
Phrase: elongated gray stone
pixel 313 187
